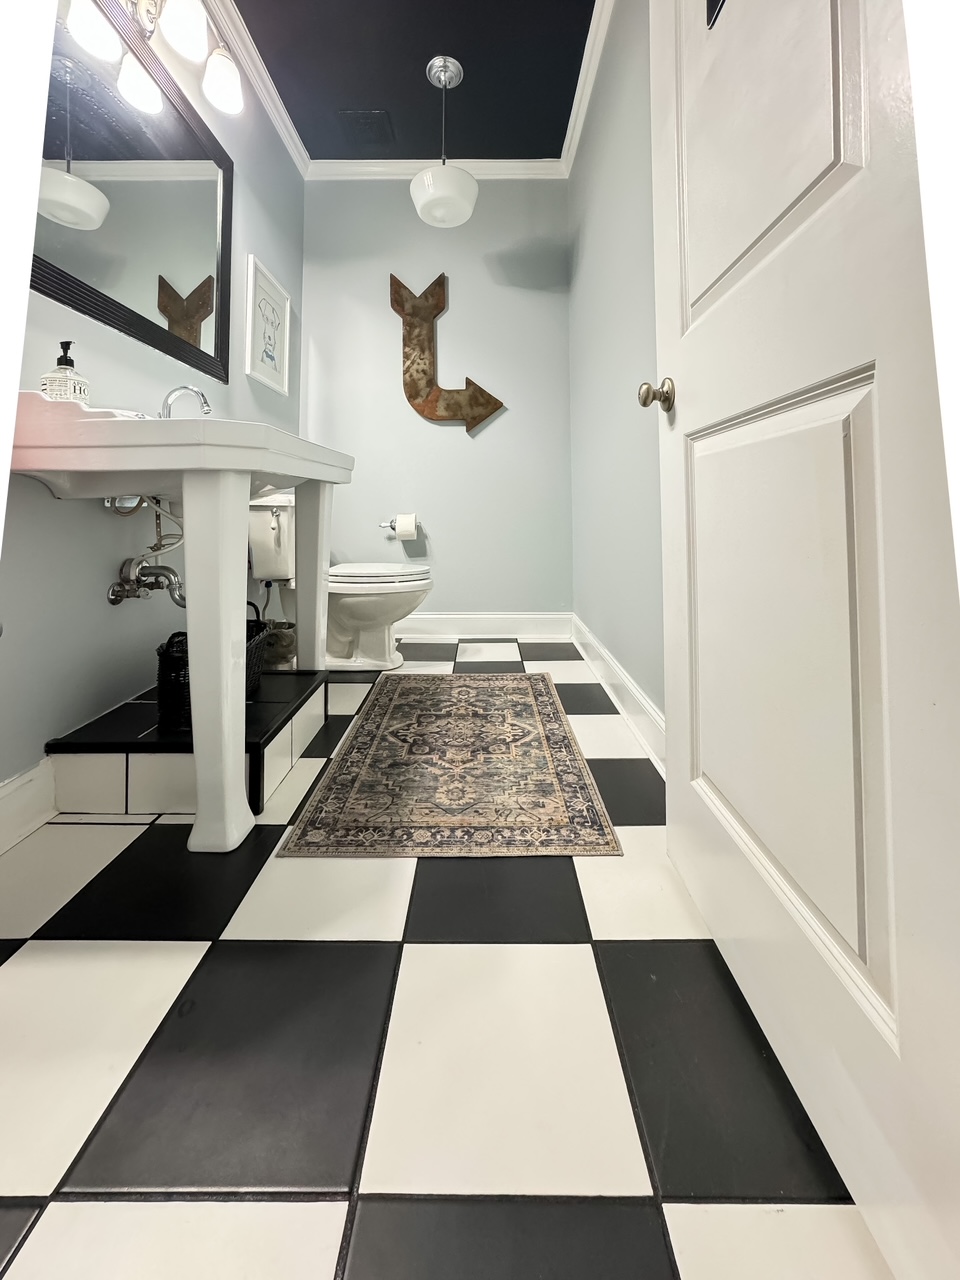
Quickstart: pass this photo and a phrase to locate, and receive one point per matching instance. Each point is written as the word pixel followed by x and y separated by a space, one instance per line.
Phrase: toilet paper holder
pixel 389 524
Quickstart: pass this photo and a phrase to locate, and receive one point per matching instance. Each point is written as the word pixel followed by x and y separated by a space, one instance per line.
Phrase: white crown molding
pixel 589 68
pixel 353 170
pixel 141 170
pixel 233 31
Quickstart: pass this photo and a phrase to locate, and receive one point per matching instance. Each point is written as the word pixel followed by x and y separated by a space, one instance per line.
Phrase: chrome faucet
pixel 175 394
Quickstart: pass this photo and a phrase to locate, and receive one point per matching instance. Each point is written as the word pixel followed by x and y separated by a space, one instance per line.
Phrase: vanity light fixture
pixel 444 195
pixel 221 83
pixel 184 27
pixel 138 87
pixel 92 31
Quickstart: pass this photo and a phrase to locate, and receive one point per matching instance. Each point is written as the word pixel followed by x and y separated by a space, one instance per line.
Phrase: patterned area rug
pixel 456 766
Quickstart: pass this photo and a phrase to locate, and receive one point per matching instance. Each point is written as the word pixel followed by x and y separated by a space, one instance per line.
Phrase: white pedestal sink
pixel 214 467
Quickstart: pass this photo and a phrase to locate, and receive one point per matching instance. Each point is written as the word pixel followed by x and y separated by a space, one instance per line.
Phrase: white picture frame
pixel 268 328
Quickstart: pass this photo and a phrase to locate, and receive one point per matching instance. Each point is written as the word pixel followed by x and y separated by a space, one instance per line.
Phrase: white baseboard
pixel 642 714
pixel 451 626
pixel 26 803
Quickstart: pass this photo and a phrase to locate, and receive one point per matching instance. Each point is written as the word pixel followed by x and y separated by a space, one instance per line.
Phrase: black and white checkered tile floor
pixel 299 1069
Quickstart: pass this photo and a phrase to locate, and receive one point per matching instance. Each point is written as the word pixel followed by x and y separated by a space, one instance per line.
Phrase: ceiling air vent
pixel 367 130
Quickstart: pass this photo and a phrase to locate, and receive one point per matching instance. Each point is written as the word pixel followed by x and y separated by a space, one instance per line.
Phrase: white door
pixel 812 611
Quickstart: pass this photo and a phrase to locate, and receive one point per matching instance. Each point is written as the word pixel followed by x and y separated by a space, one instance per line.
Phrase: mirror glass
pixel 134 212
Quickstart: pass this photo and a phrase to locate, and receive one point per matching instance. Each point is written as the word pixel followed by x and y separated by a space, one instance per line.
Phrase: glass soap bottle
pixel 63 382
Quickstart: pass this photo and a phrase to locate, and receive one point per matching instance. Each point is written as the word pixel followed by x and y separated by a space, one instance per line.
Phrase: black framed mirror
pixel 124 145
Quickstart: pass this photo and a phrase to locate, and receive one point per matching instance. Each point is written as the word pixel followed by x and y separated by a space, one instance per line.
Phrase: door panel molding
pixel 846 862
pixel 848 147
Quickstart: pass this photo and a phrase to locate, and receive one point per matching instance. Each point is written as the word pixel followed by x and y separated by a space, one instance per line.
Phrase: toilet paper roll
pixel 407 527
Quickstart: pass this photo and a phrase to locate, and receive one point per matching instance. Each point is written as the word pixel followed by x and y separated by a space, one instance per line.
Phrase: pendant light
pixel 444 195
pixel 184 27
pixel 65 198
pixel 221 83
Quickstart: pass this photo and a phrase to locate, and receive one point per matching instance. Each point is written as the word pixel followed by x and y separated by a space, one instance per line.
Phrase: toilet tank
pixel 273 537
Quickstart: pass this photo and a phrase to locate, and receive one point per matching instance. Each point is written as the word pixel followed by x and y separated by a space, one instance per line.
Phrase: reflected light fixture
pixel 136 85
pixel 184 27
pixel 92 31
pixel 221 83
pixel 444 195
pixel 65 198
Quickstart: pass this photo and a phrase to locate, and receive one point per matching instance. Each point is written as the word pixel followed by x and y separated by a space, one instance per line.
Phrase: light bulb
pixel 184 27
pixel 221 83
pixel 137 87
pixel 92 31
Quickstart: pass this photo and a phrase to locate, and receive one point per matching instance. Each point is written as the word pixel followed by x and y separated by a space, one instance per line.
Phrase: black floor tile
pixel 549 651
pixel 15 1218
pixel 155 890
pixel 465 668
pixel 585 700
pixel 463 1239
pixel 258 1079
pixel 8 946
pixel 353 677
pixel 327 740
pixel 721 1119
pixel 496 900
pixel 424 651
pixel 632 790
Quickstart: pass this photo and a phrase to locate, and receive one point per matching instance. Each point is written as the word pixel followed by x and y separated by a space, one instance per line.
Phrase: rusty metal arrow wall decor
pixel 472 405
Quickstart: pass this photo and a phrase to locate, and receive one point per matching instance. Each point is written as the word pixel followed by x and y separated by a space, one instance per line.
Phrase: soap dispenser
pixel 63 382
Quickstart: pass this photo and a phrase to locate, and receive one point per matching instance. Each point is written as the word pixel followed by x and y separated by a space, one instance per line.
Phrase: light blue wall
pixel 66 655
pixel 617 580
pixel 495 504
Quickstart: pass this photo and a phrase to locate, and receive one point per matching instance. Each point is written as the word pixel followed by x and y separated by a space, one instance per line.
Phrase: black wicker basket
pixel 173 673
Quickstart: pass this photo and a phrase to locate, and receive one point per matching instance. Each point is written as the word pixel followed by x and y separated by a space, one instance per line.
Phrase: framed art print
pixel 268 328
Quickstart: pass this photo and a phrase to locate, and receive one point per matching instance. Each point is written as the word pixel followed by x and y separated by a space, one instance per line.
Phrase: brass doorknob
pixel 666 394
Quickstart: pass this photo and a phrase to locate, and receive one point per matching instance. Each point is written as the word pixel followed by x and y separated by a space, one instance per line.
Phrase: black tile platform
pixel 132 729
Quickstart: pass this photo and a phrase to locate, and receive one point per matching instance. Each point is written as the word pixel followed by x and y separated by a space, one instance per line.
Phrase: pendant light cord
pixel 443 125
pixel 68 153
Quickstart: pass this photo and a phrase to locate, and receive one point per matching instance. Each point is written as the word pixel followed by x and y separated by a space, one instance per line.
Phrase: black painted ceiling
pixel 521 61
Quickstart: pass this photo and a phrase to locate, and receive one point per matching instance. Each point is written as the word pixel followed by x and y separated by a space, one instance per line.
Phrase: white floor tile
pixel 639 895
pixel 94 783
pixel 773 1242
pixel 345 699
pixel 565 672
pixel 308 722
pixel 75 1018
pixel 103 819
pixel 489 651
pixel 279 809
pixel 277 760
pixel 606 738
pixel 191 1241
pixel 412 668
pixel 501 1076
pixel 44 871
pixel 327 900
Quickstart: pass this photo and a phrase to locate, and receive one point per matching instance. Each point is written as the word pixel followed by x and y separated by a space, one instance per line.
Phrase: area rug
pixel 480 765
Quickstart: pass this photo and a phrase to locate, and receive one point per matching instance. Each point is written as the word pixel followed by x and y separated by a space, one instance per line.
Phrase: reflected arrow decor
pixel 472 405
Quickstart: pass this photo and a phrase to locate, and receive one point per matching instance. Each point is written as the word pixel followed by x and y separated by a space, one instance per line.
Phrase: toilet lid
pixel 379 572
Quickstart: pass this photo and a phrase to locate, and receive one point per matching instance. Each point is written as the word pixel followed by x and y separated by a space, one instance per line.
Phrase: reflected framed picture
pixel 268 328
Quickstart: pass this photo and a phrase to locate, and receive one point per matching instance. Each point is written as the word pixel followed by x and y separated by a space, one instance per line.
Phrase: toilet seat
pixel 378 574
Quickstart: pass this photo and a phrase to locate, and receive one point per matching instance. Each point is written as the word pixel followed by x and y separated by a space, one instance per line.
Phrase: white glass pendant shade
pixel 444 195
pixel 221 83
pixel 138 88
pixel 92 31
pixel 184 27
pixel 67 199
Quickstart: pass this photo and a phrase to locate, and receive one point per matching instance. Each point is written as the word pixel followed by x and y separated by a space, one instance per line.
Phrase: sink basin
pixel 79 452
pixel 213 468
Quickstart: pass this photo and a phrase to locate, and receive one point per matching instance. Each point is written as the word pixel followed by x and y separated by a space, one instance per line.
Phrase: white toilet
pixel 365 601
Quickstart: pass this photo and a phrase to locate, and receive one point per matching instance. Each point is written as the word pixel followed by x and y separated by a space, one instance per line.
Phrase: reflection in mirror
pixel 134 212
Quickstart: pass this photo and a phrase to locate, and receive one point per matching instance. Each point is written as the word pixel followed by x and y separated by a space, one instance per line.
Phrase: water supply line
pixel 138 576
